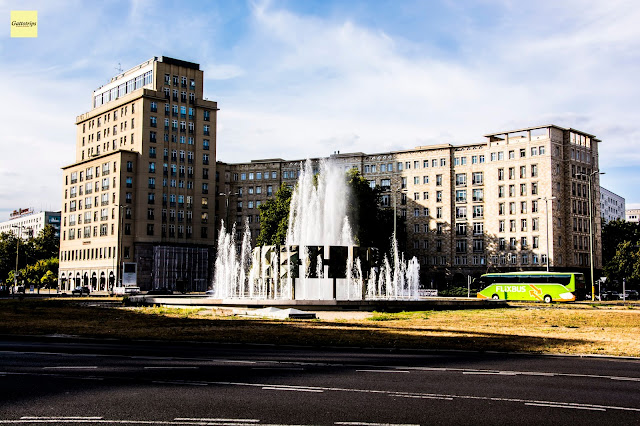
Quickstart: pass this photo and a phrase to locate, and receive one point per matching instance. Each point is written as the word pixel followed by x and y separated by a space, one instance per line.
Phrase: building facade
pixel 632 215
pixel 612 206
pixel 137 194
pixel 26 223
pixel 468 209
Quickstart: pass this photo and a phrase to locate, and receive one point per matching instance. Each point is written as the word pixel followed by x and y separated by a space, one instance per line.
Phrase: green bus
pixel 536 286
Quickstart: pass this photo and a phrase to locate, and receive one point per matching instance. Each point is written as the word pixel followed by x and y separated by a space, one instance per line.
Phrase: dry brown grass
pixel 570 329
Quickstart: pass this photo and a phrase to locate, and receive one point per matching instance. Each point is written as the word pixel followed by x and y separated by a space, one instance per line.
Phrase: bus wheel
pixel 547 298
pixel 495 297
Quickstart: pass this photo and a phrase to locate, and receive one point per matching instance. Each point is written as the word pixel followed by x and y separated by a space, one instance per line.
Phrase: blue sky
pixel 295 79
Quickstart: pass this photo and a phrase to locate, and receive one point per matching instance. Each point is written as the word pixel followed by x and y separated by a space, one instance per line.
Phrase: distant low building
pixel 632 215
pixel 612 206
pixel 26 223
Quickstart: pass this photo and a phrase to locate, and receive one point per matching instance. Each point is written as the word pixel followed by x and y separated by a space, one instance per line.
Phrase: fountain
pixel 319 260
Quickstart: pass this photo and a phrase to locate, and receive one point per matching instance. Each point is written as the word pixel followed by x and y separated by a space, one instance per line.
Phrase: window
pixel 461 196
pixel 534 170
pixel 438 196
pixel 477 178
pixel 461 179
pixel 478 211
pixel 478 228
pixel 438 180
pixel 461 212
pixel 500 174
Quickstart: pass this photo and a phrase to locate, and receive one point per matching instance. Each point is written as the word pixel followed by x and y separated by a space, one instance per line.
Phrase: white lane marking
pixel 71 367
pixel 631 379
pixel 162 358
pixel 382 371
pixel 60 418
pixel 291 389
pixel 180 382
pixel 133 422
pixel 216 420
pixel 470 397
pixel 233 361
pixel 565 406
pixel 373 424
pixel 171 368
pixel 279 368
pixel 423 397
pixel 491 373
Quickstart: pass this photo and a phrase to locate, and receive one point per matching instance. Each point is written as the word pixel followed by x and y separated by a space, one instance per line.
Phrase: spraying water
pixel 318 220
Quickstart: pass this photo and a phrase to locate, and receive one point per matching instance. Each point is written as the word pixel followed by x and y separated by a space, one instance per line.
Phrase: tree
pixel 372 224
pixel 49 279
pixel 274 218
pixel 625 263
pixel 620 250
pixel 46 245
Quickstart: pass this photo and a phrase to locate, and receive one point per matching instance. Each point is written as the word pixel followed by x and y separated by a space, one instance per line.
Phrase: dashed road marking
pixel 574 407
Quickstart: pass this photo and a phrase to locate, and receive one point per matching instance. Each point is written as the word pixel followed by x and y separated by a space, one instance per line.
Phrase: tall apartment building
pixel 137 193
pixel 468 209
pixel 26 223
pixel 612 206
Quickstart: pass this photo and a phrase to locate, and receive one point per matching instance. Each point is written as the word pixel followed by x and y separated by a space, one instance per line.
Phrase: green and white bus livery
pixel 532 286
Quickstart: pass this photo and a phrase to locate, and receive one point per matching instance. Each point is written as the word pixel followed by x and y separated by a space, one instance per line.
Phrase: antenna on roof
pixel 119 68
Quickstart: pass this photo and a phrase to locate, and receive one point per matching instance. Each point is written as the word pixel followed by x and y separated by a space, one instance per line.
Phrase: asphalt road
pixel 68 381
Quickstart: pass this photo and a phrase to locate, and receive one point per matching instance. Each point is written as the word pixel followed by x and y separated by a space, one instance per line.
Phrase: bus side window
pixel 564 279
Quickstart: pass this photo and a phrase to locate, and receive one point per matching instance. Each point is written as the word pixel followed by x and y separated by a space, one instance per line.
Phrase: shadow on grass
pixel 59 317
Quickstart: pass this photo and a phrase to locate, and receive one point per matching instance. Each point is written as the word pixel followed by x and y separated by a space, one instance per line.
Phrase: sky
pixel 304 78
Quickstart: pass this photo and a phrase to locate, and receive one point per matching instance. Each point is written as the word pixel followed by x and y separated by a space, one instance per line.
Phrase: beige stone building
pixel 139 190
pixel 467 209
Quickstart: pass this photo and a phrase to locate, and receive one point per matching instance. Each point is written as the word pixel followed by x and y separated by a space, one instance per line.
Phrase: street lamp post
pixel 593 285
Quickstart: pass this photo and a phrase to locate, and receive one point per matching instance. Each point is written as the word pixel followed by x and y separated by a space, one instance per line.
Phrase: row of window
pixel 135 83
pixel 153 137
pixel 88 254
pixel 522 192
pixel 88 173
pixel 259 175
pixel 511 155
pixel 254 190
pixel 106 118
pixel 523 172
pixel 182 80
pixel 88 188
pixel 183 96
